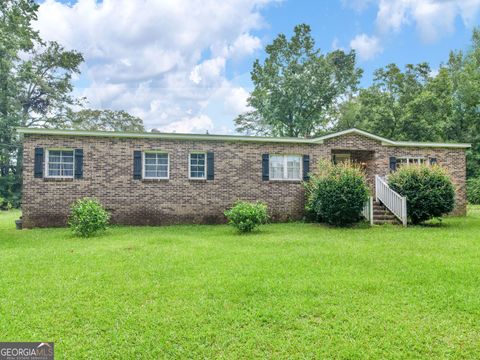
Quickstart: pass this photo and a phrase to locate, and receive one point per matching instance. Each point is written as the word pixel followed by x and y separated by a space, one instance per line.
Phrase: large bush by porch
pixel 429 191
pixel 336 194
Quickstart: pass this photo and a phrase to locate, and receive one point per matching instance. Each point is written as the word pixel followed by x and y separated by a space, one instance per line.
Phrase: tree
pixel 107 120
pixel 16 35
pixel 429 115
pixel 46 88
pixel 416 105
pixel 36 90
pixel 403 105
pixel 464 69
pixel 297 87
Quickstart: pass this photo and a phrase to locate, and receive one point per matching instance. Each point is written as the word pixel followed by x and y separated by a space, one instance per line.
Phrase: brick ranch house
pixel 160 178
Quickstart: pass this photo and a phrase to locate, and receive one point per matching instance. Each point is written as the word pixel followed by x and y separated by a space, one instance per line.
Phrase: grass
pixel 289 291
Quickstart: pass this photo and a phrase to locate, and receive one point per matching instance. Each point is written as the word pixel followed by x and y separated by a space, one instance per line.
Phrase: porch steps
pixel 381 215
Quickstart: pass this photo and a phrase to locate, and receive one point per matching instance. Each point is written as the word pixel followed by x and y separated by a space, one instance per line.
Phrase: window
pixel 59 163
pixel 155 165
pixel 285 167
pixel 341 158
pixel 403 161
pixel 197 166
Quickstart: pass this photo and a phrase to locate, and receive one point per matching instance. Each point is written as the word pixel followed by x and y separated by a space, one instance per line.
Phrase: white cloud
pixel 163 60
pixel 236 100
pixel 243 45
pixel 366 47
pixel 209 71
pixel 432 18
pixel 200 123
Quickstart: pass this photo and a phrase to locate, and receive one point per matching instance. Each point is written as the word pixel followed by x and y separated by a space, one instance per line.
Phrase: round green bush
pixel 88 217
pixel 473 191
pixel 246 216
pixel 336 194
pixel 428 189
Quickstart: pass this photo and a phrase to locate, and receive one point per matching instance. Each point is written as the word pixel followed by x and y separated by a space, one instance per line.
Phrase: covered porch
pixel 385 205
pixel 363 158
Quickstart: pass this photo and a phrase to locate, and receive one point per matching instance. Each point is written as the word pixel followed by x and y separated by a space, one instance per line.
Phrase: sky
pixel 184 65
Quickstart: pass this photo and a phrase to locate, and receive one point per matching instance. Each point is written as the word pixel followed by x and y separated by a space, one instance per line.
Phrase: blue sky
pixel 183 65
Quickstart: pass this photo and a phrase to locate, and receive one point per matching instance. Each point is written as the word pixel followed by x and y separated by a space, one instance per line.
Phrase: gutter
pixel 237 138
pixel 170 136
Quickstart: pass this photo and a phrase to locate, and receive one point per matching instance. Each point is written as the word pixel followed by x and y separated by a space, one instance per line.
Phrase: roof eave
pixel 428 145
pixel 388 142
pixel 205 137
pixel 354 131
pixel 170 136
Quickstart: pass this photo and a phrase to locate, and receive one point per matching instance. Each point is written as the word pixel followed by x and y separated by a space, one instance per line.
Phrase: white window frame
pixel 47 160
pixel 190 164
pixel 408 158
pixel 285 169
pixel 155 177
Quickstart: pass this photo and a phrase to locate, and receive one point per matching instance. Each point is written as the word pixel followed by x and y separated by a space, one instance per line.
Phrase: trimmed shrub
pixel 429 191
pixel 88 217
pixel 246 216
pixel 473 191
pixel 336 194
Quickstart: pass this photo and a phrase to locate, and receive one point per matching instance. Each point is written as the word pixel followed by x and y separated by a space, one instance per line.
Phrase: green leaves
pixel 296 87
pixel 36 90
pixel 107 120
pixel 473 191
pixel 336 194
pixel 45 94
pixel 416 104
pixel 16 36
pixel 88 217
pixel 247 216
pixel 429 191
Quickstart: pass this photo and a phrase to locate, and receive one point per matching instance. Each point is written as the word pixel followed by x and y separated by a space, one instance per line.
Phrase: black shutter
pixel 265 167
pixel 137 165
pixel 210 166
pixel 306 167
pixel 78 163
pixel 433 161
pixel 38 167
pixel 393 163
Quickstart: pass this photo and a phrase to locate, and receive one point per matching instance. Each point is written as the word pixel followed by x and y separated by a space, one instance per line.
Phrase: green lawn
pixel 289 291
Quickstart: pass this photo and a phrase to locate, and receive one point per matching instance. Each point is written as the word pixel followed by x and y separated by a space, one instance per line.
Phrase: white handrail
pixel 393 201
pixel 367 211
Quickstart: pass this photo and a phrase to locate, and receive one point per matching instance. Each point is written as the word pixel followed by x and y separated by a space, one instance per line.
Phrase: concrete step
pixel 381 211
pixel 383 222
pixel 384 217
